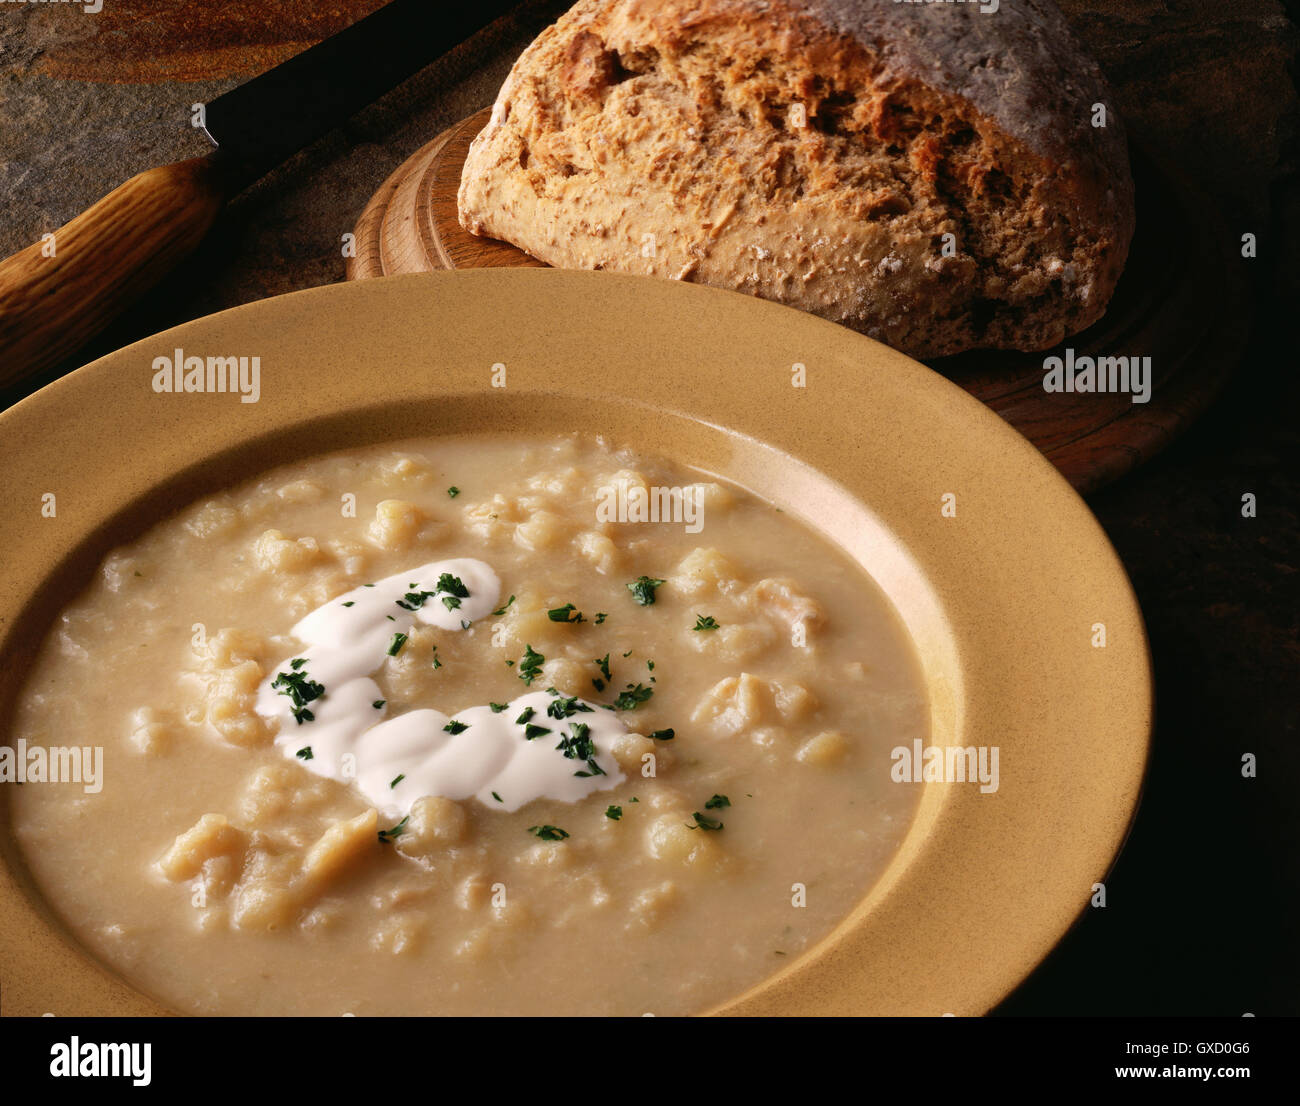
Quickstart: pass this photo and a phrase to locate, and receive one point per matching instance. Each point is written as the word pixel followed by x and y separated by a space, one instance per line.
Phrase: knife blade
pixel 265 121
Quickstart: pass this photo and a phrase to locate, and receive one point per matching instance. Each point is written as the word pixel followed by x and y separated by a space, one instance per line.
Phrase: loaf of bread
pixel 939 176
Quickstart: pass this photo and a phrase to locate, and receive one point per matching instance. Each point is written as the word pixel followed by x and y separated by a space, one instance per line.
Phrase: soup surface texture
pixel 469 725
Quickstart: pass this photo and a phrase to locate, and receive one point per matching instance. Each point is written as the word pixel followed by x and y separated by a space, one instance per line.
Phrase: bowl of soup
pixel 546 643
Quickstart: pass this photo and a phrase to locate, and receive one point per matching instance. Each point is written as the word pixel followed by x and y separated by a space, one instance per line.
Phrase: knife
pixel 59 292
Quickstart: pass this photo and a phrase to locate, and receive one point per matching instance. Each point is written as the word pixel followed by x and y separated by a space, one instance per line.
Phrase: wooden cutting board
pixel 1182 301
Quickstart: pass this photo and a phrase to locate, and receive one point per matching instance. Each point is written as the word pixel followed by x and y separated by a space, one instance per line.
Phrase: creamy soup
pixel 474 725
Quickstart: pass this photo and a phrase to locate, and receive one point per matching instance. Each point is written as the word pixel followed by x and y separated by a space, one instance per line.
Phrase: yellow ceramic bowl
pixel 1004 591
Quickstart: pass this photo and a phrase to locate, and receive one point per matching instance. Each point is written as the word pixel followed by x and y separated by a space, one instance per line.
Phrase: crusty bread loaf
pixel 929 174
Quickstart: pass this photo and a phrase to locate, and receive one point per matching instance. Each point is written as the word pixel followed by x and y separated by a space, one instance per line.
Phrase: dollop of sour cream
pixel 335 723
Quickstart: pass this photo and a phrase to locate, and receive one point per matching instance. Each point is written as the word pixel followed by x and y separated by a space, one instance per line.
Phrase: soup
pixel 467 725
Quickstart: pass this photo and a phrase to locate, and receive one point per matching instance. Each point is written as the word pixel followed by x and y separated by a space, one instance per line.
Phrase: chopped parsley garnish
pixel 532 731
pixel 634 799
pixel 705 622
pixel 350 603
pixel 579 746
pixel 452 586
pixel 414 600
pixel 455 726
pixel 497 797
pixel 600 617
pixel 567 708
pixel 502 610
pixel 662 735
pixel 300 690
pixel 530 665
pixel 613 813
pixel 395 646
pixel 304 753
pixel 448 586
pixel 453 491
pixel 497 708
pixel 548 833
pixel 643 589
pixel 389 834
pixel 567 613
pixel 378 704
pixel 603 664
pixel 632 697
pixel 397 780
pixel 650 665
pixel 717 802
pixel 525 715
pixel 703 822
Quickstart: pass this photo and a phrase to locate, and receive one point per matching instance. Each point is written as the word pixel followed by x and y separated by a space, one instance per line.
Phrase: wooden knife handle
pixel 59 292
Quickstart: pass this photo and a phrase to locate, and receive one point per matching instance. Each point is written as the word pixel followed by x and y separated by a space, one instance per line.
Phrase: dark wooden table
pixel 1201 912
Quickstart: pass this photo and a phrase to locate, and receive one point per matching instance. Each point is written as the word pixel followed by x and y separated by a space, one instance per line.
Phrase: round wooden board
pixel 1182 301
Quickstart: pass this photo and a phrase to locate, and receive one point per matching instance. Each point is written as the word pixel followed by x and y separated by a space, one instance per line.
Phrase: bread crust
pixel 926 174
